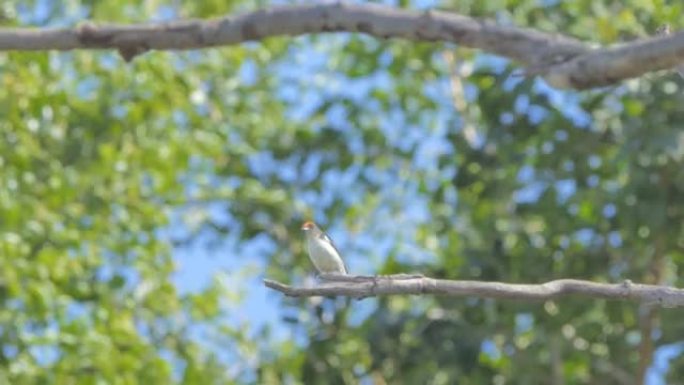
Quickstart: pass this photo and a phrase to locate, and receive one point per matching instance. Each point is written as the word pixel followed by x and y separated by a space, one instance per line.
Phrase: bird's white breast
pixel 325 258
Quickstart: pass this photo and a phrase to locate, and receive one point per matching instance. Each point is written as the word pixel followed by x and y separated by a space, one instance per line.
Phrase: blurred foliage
pixel 521 183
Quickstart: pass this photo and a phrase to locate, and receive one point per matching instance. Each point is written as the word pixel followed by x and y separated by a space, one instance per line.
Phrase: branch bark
pixel 564 61
pixel 371 286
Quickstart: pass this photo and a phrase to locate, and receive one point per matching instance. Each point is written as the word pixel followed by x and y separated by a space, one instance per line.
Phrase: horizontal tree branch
pixel 564 61
pixel 524 45
pixel 371 286
pixel 607 66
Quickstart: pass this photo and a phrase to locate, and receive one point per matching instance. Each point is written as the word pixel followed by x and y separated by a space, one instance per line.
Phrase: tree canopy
pixel 414 156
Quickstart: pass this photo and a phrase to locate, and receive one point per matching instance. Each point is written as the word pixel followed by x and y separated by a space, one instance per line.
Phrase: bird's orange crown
pixel 308 225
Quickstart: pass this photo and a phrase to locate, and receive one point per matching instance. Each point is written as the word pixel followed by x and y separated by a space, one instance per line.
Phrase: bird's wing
pixel 326 238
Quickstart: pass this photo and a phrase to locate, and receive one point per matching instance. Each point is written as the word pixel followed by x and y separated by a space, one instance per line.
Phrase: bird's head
pixel 308 226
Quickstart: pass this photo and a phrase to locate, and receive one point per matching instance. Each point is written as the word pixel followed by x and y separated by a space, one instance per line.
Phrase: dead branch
pixel 372 286
pixel 564 61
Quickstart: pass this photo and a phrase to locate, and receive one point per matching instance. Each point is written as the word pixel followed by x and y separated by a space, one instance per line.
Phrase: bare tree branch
pixel 564 61
pixel 365 286
pixel 524 45
pixel 607 66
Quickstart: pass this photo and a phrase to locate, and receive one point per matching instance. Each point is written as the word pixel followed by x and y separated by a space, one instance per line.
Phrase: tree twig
pixel 649 316
pixel 361 287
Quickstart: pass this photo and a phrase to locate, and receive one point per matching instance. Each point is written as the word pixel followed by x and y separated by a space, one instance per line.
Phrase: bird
pixel 322 251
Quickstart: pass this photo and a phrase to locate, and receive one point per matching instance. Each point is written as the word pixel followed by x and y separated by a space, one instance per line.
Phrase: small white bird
pixel 322 251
